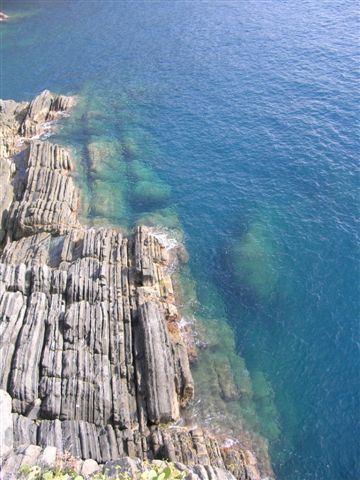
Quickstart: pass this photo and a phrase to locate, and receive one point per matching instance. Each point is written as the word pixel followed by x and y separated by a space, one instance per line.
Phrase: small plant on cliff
pixel 104 476
pixel 156 470
pixel 38 473
pixel 160 470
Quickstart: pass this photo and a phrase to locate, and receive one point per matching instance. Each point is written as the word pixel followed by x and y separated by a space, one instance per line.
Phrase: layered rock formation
pixel 91 350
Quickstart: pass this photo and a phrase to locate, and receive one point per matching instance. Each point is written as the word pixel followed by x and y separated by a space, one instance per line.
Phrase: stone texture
pixel 92 351
pixel 50 200
pixel 44 108
pixel 19 122
pixel 48 457
pixel 125 465
pixel 89 467
pixel 31 455
pixel 96 350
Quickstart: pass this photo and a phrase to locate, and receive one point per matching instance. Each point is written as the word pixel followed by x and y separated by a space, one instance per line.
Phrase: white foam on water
pixel 229 442
pixel 165 238
pixel 186 321
pixel 48 125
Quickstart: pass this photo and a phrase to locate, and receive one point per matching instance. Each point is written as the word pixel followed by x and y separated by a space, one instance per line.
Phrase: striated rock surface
pixel 46 198
pixel 91 351
pixel 19 122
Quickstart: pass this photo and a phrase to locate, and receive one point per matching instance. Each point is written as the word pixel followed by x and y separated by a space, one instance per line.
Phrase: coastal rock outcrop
pixel 49 201
pixel 19 122
pixel 91 350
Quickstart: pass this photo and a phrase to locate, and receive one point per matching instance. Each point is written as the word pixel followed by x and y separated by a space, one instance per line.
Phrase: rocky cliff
pixel 92 358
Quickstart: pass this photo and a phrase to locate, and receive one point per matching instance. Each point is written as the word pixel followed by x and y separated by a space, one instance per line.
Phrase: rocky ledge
pixel 92 358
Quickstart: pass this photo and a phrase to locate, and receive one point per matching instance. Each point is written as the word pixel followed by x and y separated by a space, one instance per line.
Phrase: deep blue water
pixel 248 112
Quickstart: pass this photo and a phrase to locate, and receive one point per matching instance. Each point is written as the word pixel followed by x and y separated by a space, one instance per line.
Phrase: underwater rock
pixel 148 187
pixel 241 376
pixel 94 114
pixel 130 148
pixel 108 196
pixel 224 385
pixel 265 403
pixel 165 218
pixel 105 158
pixel 108 201
pixel 253 258
pixel 147 192
pixel 141 172
pixel 228 388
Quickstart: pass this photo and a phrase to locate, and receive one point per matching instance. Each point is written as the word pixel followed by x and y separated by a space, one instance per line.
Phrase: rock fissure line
pixel 92 358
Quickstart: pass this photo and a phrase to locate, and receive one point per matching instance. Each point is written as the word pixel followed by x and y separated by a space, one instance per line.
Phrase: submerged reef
pixel 94 357
pixel 253 261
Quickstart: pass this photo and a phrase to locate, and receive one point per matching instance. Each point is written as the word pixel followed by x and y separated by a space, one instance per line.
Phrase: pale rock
pixel 48 457
pixel 31 455
pixel 89 467
pixel 6 425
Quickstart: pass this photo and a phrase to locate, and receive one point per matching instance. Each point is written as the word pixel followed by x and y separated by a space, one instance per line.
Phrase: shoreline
pixel 46 242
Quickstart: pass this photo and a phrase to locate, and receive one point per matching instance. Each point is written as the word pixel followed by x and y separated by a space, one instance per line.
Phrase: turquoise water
pixel 236 122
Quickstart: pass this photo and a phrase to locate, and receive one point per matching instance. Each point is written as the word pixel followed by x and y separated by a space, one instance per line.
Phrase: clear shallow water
pixel 243 115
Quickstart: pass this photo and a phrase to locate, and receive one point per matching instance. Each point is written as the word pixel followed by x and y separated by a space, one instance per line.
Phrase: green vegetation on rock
pixel 156 470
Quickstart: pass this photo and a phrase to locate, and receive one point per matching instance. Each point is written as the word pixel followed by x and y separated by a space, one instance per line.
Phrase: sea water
pixel 234 122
